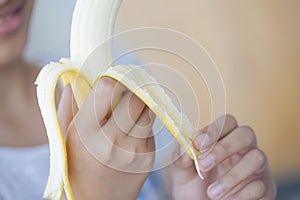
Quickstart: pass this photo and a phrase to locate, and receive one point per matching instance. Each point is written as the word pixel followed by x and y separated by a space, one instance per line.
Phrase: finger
pixel 93 112
pixel 254 190
pixel 107 91
pixel 140 135
pixel 184 161
pixel 123 118
pixel 125 151
pixel 210 134
pixel 252 162
pixel 126 113
pixel 225 166
pixel 183 167
pixel 143 126
pixel 66 108
pixel 229 146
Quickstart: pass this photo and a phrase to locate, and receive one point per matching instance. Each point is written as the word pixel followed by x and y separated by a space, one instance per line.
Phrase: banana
pixel 93 24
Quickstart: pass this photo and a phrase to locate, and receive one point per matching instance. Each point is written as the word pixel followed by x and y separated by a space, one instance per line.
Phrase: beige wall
pixel 256 45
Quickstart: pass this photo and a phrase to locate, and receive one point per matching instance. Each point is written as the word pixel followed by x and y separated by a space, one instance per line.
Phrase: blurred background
pixel 255 44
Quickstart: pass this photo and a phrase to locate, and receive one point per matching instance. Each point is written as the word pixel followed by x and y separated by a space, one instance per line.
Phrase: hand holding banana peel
pixel 135 79
pixel 85 37
pixel 120 152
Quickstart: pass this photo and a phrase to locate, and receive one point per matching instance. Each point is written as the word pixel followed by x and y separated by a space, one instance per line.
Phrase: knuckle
pixel 108 82
pixel 131 158
pixel 104 86
pixel 123 157
pixel 259 156
pixel 149 119
pixel 230 180
pixel 142 146
pixel 145 122
pixel 149 161
pixel 254 190
pixel 213 132
pixel 230 119
pixel 140 162
pixel 246 128
pixel 106 158
pixel 139 156
pixel 133 97
pixel 249 134
pixel 260 188
pixel 223 147
pixel 107 153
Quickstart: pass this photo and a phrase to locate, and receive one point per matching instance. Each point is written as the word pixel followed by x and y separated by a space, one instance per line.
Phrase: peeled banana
pixel 93 24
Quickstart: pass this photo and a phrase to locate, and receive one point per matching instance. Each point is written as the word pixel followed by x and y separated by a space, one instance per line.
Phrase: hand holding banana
pixel 87 15
pixel 241 159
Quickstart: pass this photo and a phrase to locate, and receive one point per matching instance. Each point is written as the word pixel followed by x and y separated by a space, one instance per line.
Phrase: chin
pixel 14 25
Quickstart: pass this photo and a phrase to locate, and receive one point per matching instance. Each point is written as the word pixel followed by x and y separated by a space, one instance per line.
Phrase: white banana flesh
pixel 92 25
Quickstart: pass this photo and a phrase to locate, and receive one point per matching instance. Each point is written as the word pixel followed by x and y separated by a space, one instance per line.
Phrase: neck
pixel 20 120
pixel 15 81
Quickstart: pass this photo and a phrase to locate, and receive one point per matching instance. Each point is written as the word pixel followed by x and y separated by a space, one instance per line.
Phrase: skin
pixel 12 44
pixel 237 163
pixel 94 140
pixel 233 161
pixel 18 96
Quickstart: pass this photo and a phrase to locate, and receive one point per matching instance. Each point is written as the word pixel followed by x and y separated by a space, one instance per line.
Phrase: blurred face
pixel 14 23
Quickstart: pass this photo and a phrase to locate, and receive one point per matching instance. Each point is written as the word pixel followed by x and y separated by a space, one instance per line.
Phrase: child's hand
pixel 234 168
pixel 103 154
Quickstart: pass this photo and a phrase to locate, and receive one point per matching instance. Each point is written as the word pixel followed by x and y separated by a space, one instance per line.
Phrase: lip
pixel 11 17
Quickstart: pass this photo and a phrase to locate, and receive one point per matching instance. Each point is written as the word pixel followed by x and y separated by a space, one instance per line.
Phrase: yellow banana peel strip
pixel 148 89
pixel 46 86
pixel 85 37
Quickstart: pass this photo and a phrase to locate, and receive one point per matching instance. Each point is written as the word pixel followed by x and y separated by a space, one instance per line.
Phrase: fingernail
pixel 207 161
pixel 215 190
pixel 202 141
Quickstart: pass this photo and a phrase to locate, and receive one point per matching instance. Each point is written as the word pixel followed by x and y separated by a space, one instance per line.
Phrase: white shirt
pixel 23 172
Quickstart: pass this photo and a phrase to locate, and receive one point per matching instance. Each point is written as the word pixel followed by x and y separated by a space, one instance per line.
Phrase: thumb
pixel 184 167
pixel 67 108
pixel 184 161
